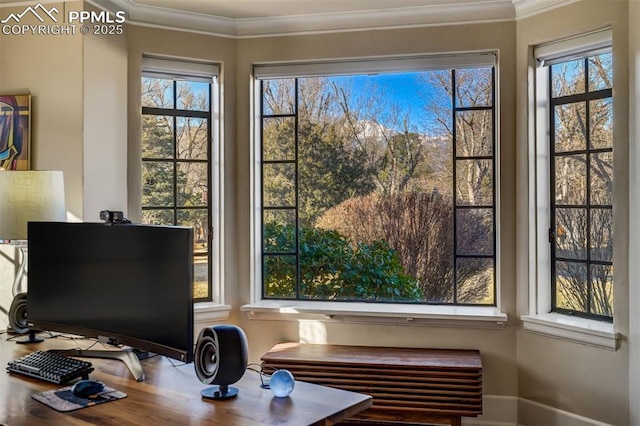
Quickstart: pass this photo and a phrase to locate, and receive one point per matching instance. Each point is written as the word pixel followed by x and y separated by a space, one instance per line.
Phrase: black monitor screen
pixel 131 284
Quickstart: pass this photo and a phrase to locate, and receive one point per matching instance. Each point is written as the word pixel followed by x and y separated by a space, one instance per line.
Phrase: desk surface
pixel 169 395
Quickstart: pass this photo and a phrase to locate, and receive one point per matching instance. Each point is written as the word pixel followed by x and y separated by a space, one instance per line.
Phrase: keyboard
pixel 50 366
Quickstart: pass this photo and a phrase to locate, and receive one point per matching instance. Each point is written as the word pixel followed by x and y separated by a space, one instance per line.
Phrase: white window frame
pixel 540 318
pixel 170 68
pixel 356 312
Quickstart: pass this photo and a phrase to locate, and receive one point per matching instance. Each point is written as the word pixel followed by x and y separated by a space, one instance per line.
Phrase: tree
pixel 166 138
pixel 417 226
pixel 331 268
pixel 583 225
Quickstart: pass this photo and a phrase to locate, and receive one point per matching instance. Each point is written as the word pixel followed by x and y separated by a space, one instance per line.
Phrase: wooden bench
pixel 409 386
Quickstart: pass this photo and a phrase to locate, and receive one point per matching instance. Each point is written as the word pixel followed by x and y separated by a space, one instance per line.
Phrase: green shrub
pixel 332 268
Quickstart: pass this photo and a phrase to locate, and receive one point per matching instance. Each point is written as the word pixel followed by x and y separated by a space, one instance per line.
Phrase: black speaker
pixel 221 359
pixel 18 314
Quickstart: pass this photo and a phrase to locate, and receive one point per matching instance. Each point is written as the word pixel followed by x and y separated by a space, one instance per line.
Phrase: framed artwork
pixel 15 132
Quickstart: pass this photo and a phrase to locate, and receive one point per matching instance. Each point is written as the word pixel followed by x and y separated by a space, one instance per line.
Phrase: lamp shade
pixel 27 196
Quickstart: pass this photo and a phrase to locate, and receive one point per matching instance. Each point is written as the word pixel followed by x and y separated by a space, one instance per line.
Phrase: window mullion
pixel 297 185
pixel 455 186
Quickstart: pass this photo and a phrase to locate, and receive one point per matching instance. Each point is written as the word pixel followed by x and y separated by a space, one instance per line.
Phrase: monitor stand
pixel 32 338
pixel 127 355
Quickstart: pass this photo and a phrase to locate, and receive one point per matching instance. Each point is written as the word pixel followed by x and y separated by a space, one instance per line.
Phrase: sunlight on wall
pixel 311 331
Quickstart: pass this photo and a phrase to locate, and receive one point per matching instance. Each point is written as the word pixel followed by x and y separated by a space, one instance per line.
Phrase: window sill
pixel 444 316
pixel 207 312
pixel 580 330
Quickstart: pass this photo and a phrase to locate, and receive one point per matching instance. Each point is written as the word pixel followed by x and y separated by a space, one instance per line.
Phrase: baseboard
pixel 499 410
pixel 532 413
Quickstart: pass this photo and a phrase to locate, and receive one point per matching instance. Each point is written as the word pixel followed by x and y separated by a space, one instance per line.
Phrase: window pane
pixel 602 235
pixel 601 178
pixel 279 185
pixel 475 231
pixel 473 87
pixel 198 220
pixel 570 127
pixel 193 138
pixel 279 231
pixel 278 96
pixel 192 184
pixel 571 286
pixel 157 184
pixel 571 233
pixel 475 281
pixel 157 92
pixel 366 162
pixel 157 217
pixel 570 179
pixel 279 276
pixel 602 290
pixel 474 184
pixel 157 136
pixel 201 277
pixel 193 95
pixel 474 133
pixel 601 119
pixel 278 139
pixel 567 78
pixel 600 72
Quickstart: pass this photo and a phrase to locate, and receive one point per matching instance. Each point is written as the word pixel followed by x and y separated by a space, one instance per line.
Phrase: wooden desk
pixel 170 395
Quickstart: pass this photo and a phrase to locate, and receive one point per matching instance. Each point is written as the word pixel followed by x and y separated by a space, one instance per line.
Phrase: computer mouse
pixel 86 388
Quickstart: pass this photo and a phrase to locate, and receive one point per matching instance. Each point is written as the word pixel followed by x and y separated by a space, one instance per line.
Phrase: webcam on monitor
pixel 111 216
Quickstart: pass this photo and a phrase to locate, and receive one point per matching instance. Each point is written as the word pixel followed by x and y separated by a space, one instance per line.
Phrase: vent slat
pixel 404 382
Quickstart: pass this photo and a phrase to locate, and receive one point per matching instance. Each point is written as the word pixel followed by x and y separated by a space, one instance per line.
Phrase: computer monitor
pixel 126 284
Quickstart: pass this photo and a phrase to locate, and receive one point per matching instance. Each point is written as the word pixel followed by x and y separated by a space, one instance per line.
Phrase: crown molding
pixel 481 11
pixel 474 12
pixel 528 8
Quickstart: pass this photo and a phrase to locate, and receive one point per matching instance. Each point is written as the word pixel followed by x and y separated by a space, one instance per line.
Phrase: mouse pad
pixel 64 400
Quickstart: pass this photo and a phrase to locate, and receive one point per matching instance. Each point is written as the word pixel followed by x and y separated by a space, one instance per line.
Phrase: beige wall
pixel 497 346
pixel 585 380
pixel 105 125
pixel 50 69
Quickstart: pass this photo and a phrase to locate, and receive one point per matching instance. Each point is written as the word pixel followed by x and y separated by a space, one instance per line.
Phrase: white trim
pixel 592 43
pixel 535 413
pixel 205 313
pixel 579 330
pixel 497 410
pixel 377 313
pixel 505 410
pixel 529 8
pixel 540 320
pixel 166 67
pixel 470 12
pixel 396 63
pixel 354 312
pixel 420 16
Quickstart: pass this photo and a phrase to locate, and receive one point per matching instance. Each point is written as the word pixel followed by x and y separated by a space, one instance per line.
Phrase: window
pixel 377 180
pixel 178 106
pixel 575 93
